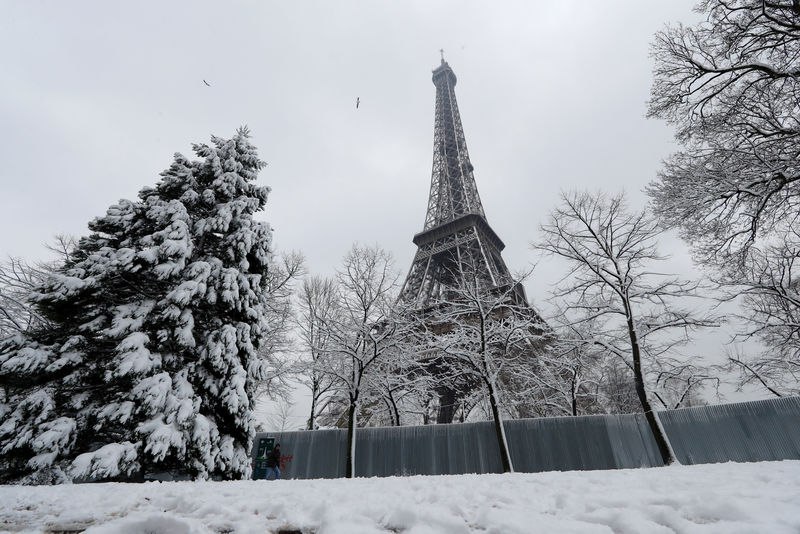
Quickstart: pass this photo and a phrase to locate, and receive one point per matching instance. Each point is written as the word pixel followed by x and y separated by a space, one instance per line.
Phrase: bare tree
pixel 279 419
pixel 617 387
pixel 678 385
pixel 636 312
pixel 318 305
pixel 278 344
pixel 398 384
pixel 18 280
pixel 391 383
pixel 567 376
pixel 481 334
pixel 731 86
pixel 361 331
pixel 770 291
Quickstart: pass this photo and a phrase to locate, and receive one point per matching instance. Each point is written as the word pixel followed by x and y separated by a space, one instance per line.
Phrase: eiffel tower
pixel 456 232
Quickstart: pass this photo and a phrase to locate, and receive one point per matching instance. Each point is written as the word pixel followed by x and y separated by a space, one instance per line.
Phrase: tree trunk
pixel 447 406
pixel 349 470
pixel 312 415
pixel 662 441
pixel 396 412
pixel 505 457
pixel 574 393
pixel 426 412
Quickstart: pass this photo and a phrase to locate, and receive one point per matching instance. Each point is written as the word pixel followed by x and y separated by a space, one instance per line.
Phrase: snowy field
pixel 721 498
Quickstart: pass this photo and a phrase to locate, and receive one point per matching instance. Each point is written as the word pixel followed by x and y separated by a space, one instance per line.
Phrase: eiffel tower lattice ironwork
pixel 456 241
pixel 456 231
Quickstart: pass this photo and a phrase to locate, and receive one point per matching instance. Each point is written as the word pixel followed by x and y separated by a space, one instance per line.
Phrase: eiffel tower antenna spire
pixel 455 232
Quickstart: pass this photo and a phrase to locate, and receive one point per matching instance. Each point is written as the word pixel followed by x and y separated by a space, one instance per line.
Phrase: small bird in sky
pixel 358 101
pixel 205 82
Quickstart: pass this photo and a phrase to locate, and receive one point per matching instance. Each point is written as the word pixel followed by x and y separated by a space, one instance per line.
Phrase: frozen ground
pixel 722 498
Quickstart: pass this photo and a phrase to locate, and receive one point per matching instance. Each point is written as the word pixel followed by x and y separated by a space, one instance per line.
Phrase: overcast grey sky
pixel 97 96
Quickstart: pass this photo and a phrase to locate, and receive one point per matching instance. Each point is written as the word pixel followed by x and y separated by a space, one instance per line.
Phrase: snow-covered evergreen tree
pixel 149 359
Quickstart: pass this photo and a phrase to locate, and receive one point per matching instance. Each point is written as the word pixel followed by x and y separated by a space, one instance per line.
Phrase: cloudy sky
pixel 97 96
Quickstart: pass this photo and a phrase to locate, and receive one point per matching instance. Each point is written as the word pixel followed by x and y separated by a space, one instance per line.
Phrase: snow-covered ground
pixel 722 498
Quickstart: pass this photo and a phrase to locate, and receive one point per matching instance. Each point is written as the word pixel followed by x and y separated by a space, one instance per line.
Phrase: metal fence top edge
pixel 795 400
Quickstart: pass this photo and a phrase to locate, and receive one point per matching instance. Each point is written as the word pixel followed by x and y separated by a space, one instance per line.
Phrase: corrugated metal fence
pixel 744 432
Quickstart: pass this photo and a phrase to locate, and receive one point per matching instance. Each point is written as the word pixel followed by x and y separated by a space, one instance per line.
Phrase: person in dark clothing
pixel 274 462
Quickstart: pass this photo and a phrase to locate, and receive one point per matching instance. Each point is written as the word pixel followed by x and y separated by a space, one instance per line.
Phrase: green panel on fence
pixel 263 448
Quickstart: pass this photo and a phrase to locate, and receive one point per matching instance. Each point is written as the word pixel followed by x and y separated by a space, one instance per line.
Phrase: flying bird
pixel 358 101
pixel 205 82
